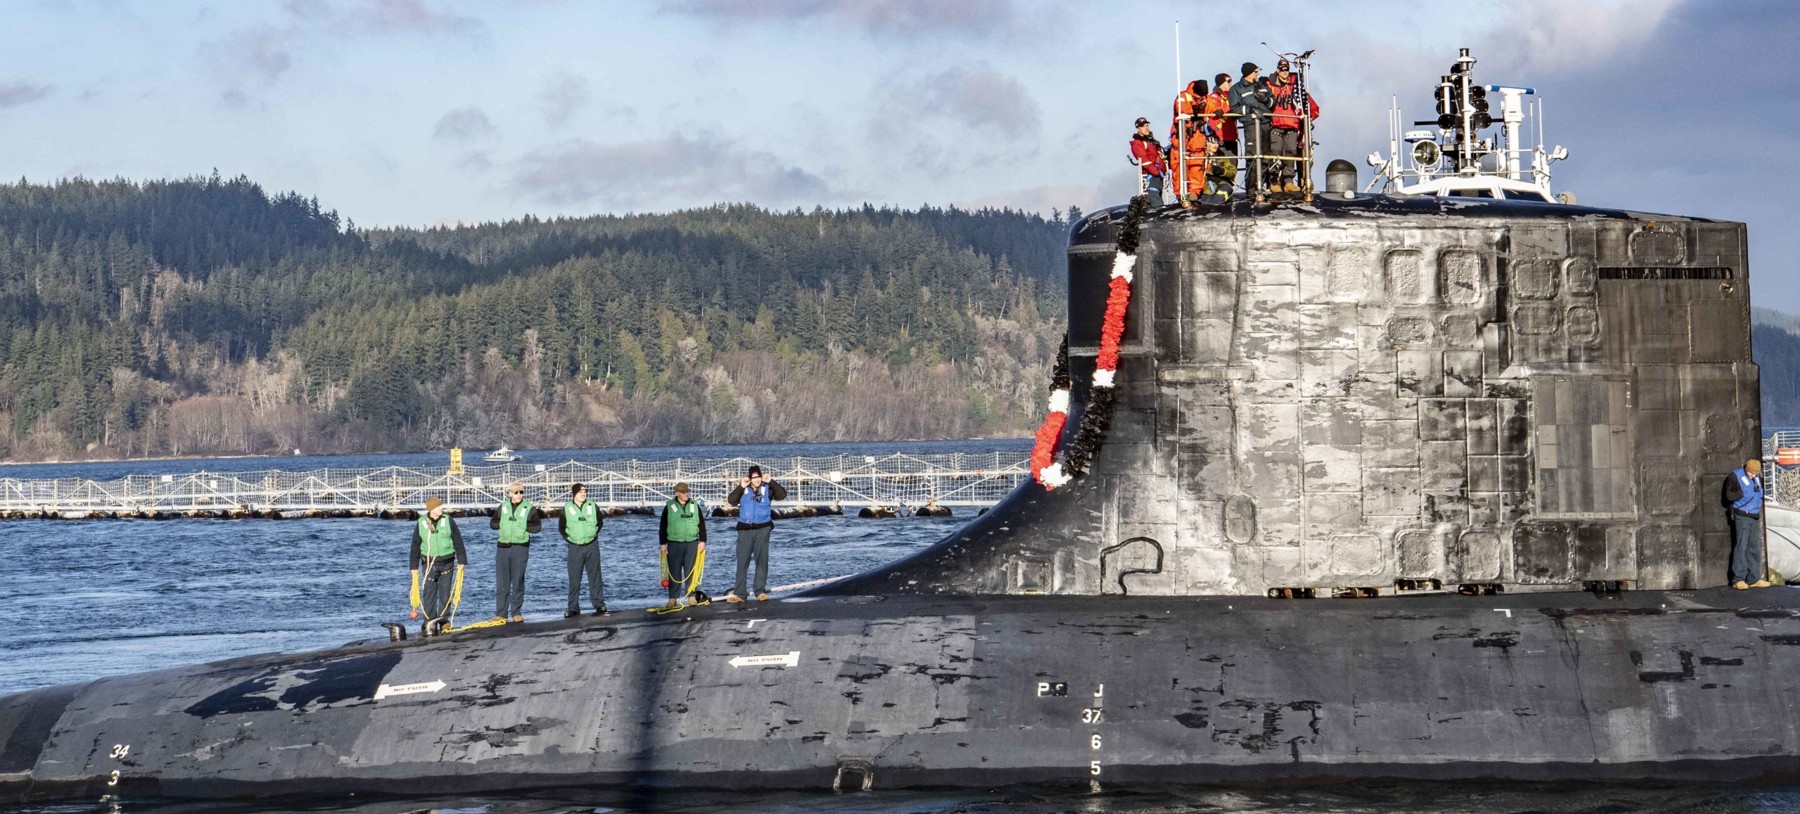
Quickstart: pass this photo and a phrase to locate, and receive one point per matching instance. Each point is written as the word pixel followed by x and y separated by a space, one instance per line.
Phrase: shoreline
pixel 269 456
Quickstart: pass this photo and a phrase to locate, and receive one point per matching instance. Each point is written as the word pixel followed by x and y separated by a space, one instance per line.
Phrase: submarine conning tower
pixel 1370 394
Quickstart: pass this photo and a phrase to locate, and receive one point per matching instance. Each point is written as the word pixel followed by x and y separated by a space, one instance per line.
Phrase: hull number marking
pixel 789 659
pixel 391 690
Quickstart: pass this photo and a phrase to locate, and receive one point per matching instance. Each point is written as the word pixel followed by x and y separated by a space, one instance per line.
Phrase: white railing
pixel 891 481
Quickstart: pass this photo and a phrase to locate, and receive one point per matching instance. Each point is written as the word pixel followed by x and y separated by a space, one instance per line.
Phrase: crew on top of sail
pixel 1261 115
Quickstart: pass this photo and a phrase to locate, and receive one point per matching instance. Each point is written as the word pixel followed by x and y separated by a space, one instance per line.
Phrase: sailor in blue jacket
pixel 1743 499
pixel 754 498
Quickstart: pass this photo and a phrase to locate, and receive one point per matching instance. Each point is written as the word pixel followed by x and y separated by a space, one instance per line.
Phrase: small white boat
pixel 503 455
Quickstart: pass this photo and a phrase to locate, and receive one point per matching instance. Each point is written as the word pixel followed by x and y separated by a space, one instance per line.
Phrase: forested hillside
pixel 1777 353
pixel 207 317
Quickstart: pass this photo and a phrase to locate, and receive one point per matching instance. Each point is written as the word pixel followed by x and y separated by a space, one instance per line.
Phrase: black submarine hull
pixel 1350 395
pixel 848 691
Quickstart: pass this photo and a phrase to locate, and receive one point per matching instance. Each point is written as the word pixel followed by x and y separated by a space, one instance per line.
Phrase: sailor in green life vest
pixel 579 525
pixel 683 539
pixel 516 520
pixel 437 547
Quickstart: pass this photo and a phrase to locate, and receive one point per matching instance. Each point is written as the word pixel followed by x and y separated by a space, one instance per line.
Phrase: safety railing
pixel 894 481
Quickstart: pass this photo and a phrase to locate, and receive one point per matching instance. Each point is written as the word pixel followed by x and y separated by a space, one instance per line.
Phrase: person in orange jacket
pixel 1147 154
pixel 1193 164
pixel 1214 108
pixel 1189 106
pixel 1285 131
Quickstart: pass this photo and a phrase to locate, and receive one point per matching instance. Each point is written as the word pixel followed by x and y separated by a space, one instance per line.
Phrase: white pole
pixel 1180 180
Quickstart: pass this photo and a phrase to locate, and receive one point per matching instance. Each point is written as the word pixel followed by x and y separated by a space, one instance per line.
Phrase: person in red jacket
pixel 1146 153
pixel 1216 105
pixel 1285 129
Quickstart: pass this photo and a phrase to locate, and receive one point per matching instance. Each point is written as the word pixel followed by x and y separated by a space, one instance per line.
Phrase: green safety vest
pixel 435 542
pixel 684 522
pixel 581 523
pixel 512 522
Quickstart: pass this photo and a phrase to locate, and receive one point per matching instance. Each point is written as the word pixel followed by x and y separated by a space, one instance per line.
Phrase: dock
pixel 869 486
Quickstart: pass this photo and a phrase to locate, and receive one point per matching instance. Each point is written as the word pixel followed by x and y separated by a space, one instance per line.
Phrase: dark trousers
pixel 509 579
pixel 1153 186
pixel 682 559
pixel 1746 549
pixel 437 581
pixel 753 543
pixel 1256 142
pixel 1284 142
pixel 585 559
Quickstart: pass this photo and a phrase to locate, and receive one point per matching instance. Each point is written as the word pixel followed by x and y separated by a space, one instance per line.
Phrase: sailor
pixel 1285 129
pixel 1217 104
pixel 579 524
pixel 1146 153
pixel 1188 105
pixel 1221 173
pixel 1743 499
pixel 756 517
pixel 1188 190
pixel 516 520
pixel 683 540
pixel 1250 100
pixel 437 546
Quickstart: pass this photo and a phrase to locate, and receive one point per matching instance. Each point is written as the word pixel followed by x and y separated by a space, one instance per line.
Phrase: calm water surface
pixel 89 599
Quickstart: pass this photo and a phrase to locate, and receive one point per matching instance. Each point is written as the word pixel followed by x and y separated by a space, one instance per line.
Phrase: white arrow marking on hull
pixel 789 659
pixel 391 690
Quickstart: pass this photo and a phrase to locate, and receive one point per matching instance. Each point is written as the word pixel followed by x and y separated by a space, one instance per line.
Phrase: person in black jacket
pixel 1250 98
pixel 1742 496
pixel 754 498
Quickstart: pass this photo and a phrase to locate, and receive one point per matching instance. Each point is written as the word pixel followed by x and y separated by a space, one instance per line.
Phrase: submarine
pixel 1413 484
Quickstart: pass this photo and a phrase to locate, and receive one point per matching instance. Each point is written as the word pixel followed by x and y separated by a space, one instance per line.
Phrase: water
pixel 83 600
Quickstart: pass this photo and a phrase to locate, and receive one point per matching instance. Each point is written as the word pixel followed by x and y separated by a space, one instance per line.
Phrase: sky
pixel 427 112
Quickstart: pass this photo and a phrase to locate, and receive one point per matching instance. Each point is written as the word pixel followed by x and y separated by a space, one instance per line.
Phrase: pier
pixel 869 486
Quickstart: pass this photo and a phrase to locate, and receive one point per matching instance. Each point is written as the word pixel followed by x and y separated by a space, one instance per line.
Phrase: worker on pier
pixel 516 520
pixel 1743 499
pixel 580 524
pixel 683 540
pixel 754 497
pixel 437 546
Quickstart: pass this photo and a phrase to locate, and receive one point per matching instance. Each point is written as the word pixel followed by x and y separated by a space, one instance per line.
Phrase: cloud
pixel 565 96
pixel 897 19
pixel 464 125
pixel 13 94
pixel 951 121
pixel 974 96
pixel 409 17
pixel 1113 189
pixel 381 17
pixel 662 172
pixel 261 53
